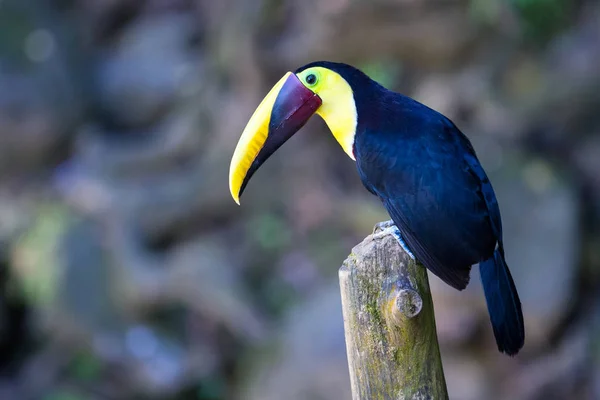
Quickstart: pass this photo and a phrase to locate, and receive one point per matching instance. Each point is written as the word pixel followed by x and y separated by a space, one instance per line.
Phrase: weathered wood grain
pixel 391 338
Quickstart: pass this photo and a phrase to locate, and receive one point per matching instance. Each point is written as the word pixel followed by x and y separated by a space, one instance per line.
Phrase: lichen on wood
pixel 391 339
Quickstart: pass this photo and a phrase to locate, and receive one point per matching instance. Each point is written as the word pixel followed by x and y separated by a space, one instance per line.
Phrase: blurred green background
pixel 128 272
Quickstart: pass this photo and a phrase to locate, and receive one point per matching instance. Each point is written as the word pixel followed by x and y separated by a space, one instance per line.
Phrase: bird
pixel 423 169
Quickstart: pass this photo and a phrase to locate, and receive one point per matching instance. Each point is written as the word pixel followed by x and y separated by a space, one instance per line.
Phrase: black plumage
pixel 427 175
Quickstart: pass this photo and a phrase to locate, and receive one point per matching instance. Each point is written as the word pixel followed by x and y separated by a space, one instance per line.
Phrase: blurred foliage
pixel 37 262
pixel 543 18
pixel 16 26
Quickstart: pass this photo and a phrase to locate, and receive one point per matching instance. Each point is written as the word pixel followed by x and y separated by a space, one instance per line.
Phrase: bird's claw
pixel 388 227
pixel 381 226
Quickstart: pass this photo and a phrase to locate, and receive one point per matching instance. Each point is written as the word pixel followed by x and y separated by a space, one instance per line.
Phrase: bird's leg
pixel 388 227
pixel 398 236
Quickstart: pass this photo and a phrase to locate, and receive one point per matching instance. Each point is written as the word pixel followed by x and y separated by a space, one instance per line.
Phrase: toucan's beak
pixel 284 110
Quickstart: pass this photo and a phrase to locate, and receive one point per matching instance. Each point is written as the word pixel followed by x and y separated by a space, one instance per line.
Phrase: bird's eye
pixel 311 79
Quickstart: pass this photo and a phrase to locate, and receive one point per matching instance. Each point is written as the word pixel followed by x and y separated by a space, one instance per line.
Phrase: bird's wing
pixel 436 194
pixel 486 193
pixel 433 241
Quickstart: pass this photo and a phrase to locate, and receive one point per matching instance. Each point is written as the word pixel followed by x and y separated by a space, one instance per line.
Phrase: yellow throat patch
pixel 338 109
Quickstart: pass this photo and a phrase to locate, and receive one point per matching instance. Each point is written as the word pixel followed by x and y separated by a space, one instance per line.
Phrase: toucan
pixel 415 160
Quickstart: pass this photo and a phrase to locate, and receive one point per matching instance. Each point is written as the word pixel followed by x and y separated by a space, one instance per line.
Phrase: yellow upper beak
pixel 283 111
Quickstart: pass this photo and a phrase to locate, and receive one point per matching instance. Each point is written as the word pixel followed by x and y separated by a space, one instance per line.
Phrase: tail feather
pixel 503 303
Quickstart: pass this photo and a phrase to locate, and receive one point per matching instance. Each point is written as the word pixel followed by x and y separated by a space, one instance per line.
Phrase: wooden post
pixel 391 338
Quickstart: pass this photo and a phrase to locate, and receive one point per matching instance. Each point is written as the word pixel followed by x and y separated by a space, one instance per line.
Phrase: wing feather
pixel 438 195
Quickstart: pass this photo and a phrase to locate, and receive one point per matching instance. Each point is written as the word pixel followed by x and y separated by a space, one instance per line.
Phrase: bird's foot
pixel 388 227
pixel 380 226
